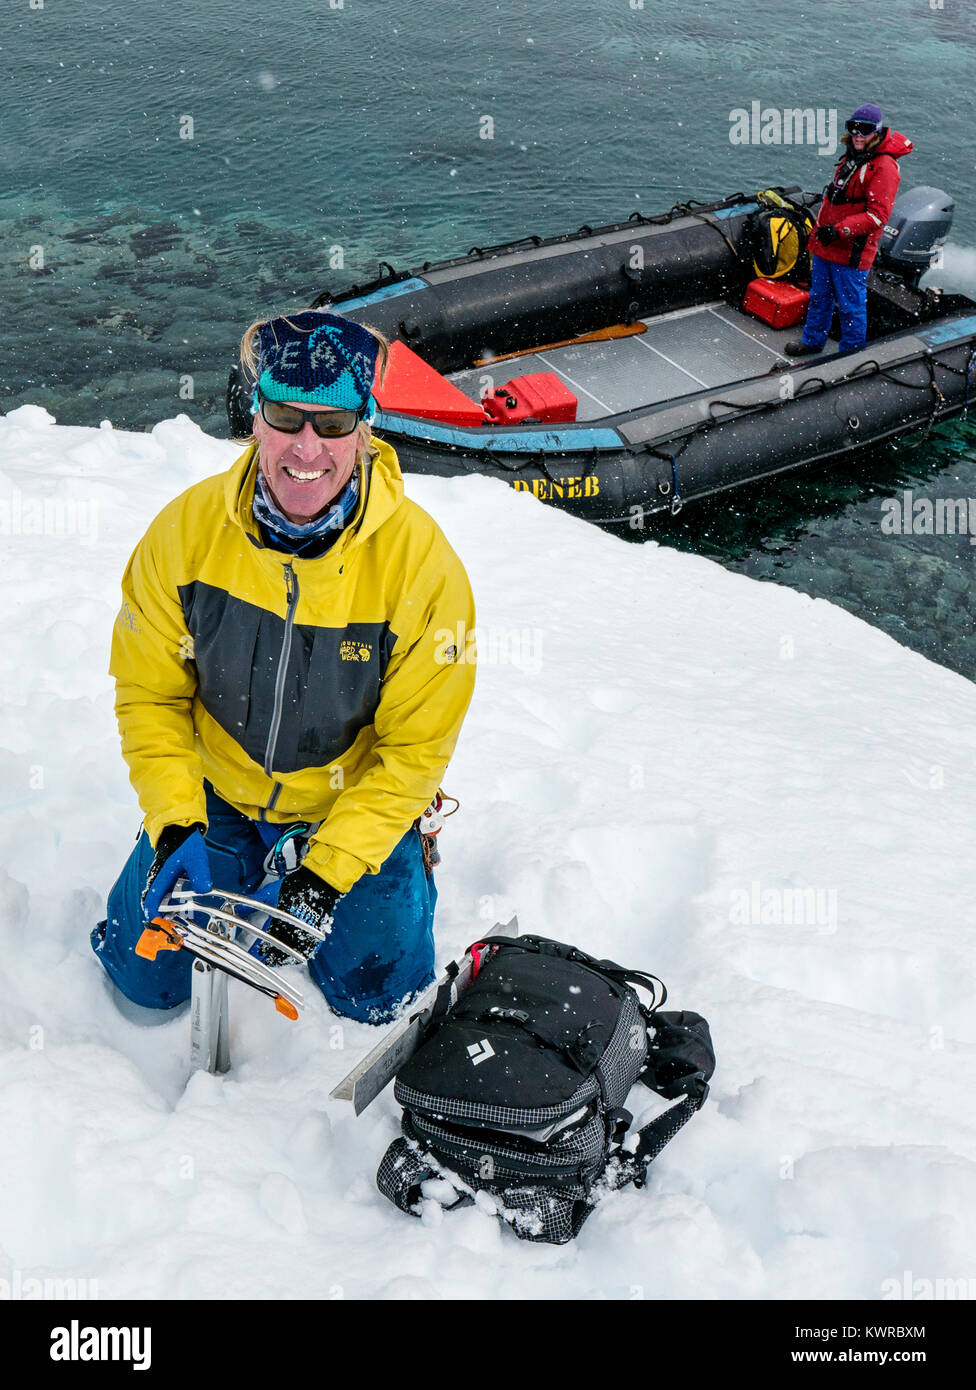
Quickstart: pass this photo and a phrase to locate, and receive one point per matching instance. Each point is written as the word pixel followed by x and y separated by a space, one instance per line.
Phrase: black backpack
pixel 517 1091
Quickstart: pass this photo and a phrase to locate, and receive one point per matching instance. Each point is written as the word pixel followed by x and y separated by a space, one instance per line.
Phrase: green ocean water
pixel 171 172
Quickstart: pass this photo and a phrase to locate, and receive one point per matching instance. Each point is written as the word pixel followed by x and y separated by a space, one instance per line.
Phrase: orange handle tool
pixel 161 936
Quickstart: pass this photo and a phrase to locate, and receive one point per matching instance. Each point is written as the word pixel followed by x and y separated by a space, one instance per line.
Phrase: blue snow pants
pixel 380 950
pixel 832 284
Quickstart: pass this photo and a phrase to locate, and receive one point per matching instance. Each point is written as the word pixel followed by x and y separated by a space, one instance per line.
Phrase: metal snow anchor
pixel 217 955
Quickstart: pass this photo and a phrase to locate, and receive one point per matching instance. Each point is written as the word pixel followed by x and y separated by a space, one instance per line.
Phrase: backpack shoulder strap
pixel 680 1062
pixel 639 1149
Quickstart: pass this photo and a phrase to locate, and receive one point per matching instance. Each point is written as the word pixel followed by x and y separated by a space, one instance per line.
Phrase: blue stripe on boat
pixel 387 292
pixel 734 212
pixel 945 332
pixel 487 438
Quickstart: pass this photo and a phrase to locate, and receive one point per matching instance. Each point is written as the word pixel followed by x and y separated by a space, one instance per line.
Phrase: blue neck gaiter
pixel 310 538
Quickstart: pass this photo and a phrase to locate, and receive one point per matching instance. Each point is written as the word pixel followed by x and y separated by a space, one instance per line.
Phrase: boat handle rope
pixel 815 385
pixel 700 217
pixel 505 245
pixel 668 487
pixel 676 502
pixel 970 367
pixel 686 209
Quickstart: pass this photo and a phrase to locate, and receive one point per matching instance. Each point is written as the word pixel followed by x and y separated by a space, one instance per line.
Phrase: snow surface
pixel 675 746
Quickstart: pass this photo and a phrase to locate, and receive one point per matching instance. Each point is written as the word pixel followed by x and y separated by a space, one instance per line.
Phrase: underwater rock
pixel 151 240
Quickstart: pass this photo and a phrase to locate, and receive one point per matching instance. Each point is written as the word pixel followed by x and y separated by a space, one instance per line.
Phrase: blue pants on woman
pixel 840 285
pixel 379 952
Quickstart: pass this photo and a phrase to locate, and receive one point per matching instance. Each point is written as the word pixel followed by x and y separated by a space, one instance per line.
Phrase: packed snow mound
pixel 753 794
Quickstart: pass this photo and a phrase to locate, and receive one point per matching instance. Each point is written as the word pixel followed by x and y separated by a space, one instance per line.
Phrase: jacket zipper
pixel 291 589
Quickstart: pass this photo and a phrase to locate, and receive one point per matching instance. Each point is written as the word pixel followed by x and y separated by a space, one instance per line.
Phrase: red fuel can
pixel 538 396
pixel 775 302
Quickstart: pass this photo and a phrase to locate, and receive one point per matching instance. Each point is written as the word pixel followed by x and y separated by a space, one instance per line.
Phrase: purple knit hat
pixel 868 112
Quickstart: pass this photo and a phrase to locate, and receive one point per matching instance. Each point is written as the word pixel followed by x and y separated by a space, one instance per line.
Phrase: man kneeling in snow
pixel 276 661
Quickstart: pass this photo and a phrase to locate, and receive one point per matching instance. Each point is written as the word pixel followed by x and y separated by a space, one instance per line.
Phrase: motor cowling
pixel 916 231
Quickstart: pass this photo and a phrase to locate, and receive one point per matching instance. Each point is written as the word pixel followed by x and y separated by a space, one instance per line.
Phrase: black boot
pixel 801 349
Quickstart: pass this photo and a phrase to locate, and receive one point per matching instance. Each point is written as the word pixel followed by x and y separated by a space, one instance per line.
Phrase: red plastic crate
pixel 775 302
pixel 538 396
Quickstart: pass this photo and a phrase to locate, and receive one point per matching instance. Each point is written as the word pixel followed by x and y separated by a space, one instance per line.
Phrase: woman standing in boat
pixel 857 204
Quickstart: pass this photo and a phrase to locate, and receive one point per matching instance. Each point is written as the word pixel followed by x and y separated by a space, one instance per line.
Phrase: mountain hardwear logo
pixel 480 1052
pixel 355 651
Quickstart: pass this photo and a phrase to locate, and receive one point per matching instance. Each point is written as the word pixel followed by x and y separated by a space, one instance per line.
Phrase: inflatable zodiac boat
pixel 624 370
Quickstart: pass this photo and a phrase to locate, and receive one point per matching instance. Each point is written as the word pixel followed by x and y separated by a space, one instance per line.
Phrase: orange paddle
pixel 616 330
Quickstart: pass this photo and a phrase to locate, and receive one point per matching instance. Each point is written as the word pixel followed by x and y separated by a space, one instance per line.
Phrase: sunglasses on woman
pixel 861 127
pixel 327 424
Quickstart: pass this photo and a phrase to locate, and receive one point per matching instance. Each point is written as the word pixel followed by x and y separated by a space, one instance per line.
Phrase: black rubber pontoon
pixel 703 400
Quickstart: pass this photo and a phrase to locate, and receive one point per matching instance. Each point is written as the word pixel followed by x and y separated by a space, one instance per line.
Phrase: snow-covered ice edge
pixel 753 794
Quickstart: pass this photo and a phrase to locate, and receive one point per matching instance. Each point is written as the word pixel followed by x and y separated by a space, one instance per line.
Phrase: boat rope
pixel 540 462
pixel 970 368
pixel 686 209
pixel 694 207
pixel 669 449
pixel 938 399
pixel 590 469
pixel 676 502
pixel 668 487
pixel 814 385
pixel 700 217
pixel 531 238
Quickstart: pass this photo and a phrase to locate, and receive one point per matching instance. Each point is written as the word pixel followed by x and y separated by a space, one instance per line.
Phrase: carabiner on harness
pixel 286 853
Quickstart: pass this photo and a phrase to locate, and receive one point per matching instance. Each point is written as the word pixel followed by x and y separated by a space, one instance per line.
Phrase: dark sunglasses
pixel 327 424
pixel 861 127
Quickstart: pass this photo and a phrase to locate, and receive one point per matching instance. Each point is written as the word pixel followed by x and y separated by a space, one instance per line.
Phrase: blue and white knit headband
pixel 317 357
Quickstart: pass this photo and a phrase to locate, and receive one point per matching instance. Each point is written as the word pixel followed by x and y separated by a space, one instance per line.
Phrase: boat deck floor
pixel 708 346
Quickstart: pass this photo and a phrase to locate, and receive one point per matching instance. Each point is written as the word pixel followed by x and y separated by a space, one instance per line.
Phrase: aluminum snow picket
pixel 377 1069
pixel 217 956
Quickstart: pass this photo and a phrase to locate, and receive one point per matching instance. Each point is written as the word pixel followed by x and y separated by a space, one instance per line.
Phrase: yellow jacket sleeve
pixel 155 681
pixel 424 698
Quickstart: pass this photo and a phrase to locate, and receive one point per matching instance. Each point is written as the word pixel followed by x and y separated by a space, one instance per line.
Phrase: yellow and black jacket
pixel 329 689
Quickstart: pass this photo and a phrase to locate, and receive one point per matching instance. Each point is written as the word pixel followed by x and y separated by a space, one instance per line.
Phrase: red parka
pixel 866 195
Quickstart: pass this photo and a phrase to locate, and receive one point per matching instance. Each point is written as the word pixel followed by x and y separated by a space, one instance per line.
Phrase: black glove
pixel 310 898
pixel 181 852
pixel 825 235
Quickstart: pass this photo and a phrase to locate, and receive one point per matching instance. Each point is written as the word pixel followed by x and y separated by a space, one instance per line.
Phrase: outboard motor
pixel 919 225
